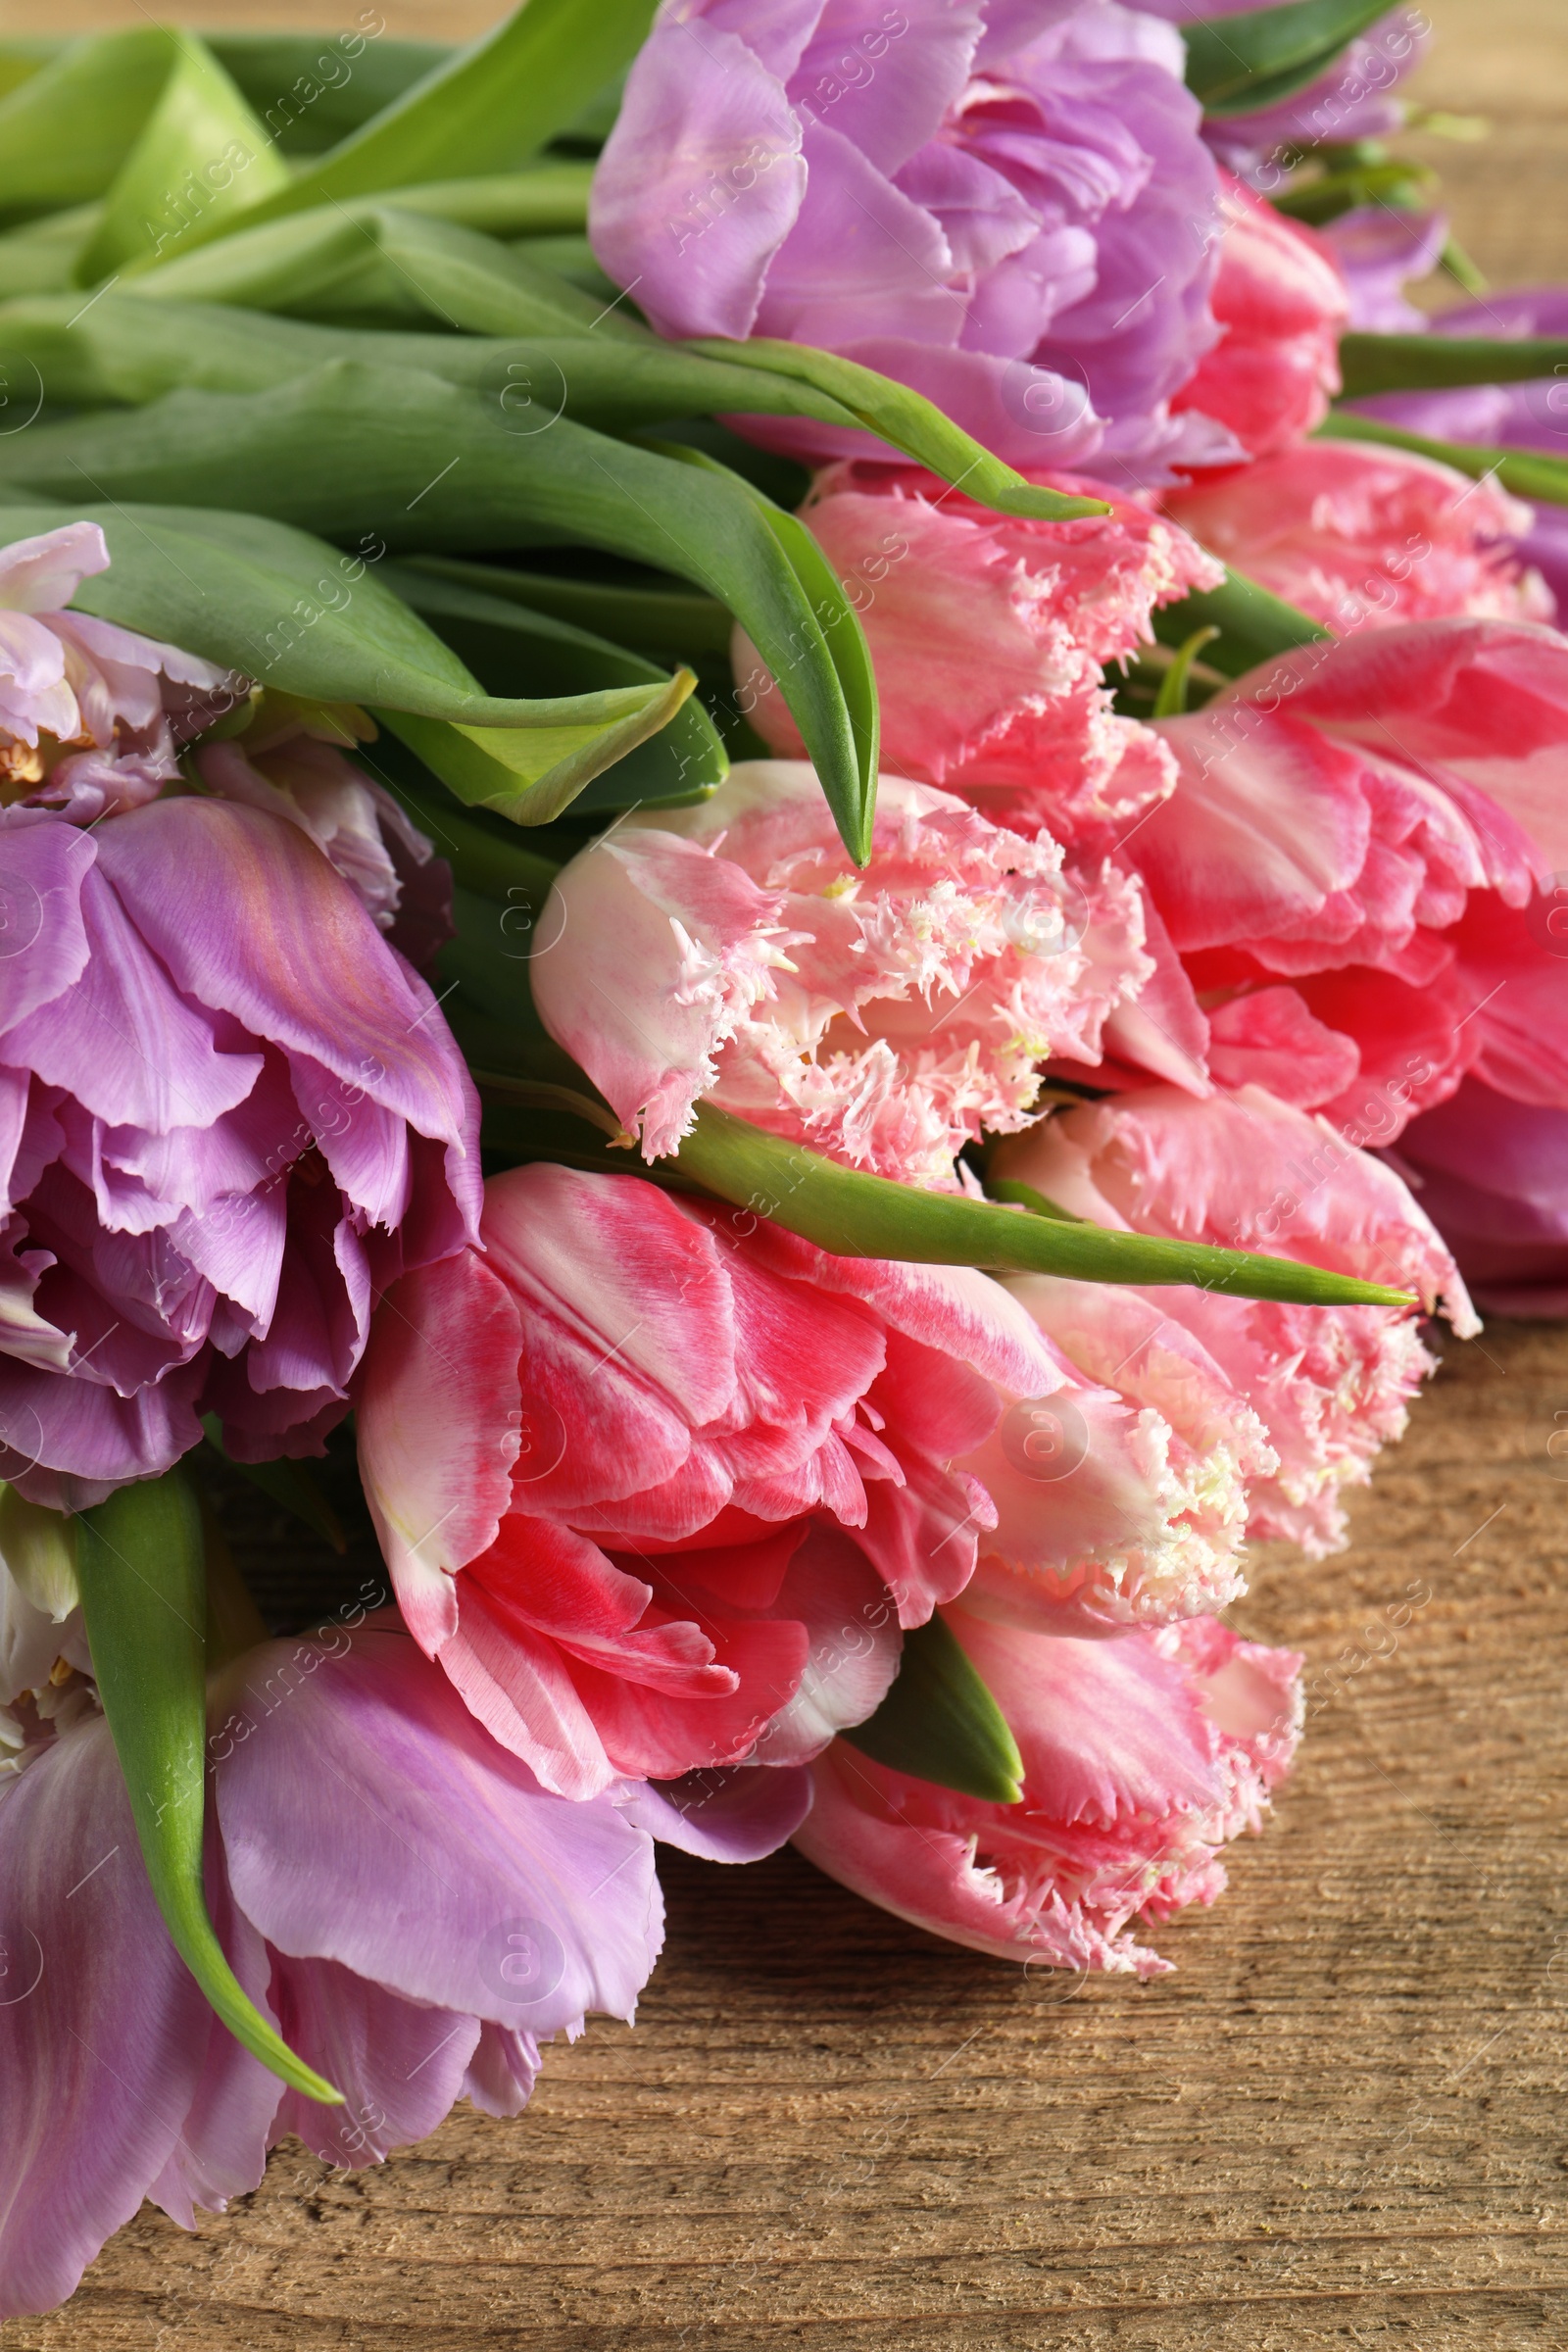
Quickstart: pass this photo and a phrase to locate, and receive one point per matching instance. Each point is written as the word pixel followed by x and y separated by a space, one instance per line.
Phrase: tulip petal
pixel 438 1429
pixel 724 1816
pixel 102 2028
pixel 436 1848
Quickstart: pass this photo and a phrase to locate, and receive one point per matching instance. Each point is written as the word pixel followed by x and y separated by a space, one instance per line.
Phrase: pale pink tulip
pixel 83 724
pixel 989 635
pixel 1361 537
pixel 1329 1385
pixel 1143 1758
pixel 733 952
pixel 1122 1499
pixel 659 1483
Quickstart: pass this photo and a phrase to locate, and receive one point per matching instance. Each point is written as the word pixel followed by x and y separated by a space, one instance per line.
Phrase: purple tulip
pixel 416 1933
pixel 230 1113
pixel 1493 1176
pixel 1005 203
pixel 1380 251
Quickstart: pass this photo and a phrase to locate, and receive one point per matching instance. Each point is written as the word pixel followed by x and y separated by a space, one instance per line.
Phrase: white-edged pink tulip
pixel 734 953
pixel 1143 1758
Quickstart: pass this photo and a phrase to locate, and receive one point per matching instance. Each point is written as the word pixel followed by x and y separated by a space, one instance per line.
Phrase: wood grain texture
pixel 1341 2123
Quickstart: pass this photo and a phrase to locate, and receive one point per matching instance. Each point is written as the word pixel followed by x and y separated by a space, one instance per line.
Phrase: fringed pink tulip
pixel 1122 1498
pixel 395 1891
pixel 733 952
pixel 1361 537
pixel 1350 866
pixel 659 1483
pixel 1330 1386
pixel 1143 1758
pixel 989 634
pixel 1280 298
pixel 1375 830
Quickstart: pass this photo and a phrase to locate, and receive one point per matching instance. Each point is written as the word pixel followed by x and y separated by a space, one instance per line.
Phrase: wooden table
pixel 1342 2122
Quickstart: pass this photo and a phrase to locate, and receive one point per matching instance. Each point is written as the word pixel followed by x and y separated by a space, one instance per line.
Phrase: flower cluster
pixel 929 1222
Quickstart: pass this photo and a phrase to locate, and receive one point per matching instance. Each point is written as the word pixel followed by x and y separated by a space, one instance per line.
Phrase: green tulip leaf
pixel 855 1215
pixel 531 774
pixel 1240 65
pixel 909 422
pixel 69 129
pixel 314 89
pixel 141 1565
pixel 354 452
pixel 940 1723
pixel 514 651
pixel 1371 363
pixel 1251 623
pixel 201 156
pixel 487 108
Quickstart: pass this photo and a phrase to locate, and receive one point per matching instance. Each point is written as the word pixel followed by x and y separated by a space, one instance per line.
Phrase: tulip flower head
pixel 1280 298
pixel 659 1482
pixel 1362 537
pixel 1004 207
pixel 417 1938
pixel 733 953
pixel 1330 1386
pixel 229 1111
pixel 988 634
pixel 1143 1758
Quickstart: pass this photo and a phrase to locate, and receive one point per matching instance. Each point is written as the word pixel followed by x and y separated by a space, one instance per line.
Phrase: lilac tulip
pixel 229 1111
pixel 415 1937
pixel 1381 252
pixel 1005 203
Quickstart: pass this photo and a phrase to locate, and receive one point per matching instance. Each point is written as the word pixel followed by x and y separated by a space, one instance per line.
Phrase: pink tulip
pixel 1123 1498
pixel 395 1893
pixel 990 636
pixel 1347 872
pixel 1280 298
pixel 1143 1758
pixel 1329 1385
pixel 659 1483
pixel 1433 951
pixel 732 952
pixel 1360 536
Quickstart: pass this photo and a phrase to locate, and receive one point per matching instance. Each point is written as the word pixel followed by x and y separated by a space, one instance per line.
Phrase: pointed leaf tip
pixel 940 1723
pixel 141 1565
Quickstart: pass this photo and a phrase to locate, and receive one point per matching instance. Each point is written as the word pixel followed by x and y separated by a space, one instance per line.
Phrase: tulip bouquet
pixel 753 883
